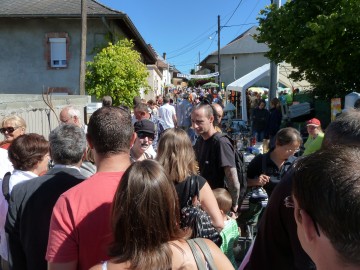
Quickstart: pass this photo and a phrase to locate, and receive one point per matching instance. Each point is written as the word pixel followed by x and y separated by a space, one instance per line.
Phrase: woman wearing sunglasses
pixel 12 126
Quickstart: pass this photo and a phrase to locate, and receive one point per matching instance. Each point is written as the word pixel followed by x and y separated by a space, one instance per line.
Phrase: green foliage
pixel 117 71
pixel 321 38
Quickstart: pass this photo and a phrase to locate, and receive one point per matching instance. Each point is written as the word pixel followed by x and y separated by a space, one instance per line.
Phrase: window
pixel 57 52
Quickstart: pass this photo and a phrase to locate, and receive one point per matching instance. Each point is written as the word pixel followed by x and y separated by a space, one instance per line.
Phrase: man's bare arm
pixel 174 120
pixel 233 184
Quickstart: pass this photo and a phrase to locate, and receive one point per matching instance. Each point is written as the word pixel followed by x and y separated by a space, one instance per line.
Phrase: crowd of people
pixel 111 194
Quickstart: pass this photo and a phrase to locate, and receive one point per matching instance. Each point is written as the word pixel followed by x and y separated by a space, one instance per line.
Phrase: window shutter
pixel 58 52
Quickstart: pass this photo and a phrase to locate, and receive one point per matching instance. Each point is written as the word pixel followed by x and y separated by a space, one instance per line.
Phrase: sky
pixel 187 30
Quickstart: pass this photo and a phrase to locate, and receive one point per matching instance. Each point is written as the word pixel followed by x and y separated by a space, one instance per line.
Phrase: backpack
pixel 5 186
pixel 240 167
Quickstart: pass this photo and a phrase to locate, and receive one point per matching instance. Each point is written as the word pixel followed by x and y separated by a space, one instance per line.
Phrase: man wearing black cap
pixel 145 131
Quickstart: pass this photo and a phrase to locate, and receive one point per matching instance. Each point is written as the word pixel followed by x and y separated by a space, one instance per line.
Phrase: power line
pixel 198 37
pixel 256 5
pixel 212 40
pixel 242 24
pixel 198 40
pixel 189 49
pixel 192 41
pixel 233 13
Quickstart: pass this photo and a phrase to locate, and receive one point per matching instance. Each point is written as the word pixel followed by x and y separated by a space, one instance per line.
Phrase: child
pixel 230 233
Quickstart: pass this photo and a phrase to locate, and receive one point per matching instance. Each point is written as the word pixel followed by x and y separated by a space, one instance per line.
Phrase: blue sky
pixel 184 29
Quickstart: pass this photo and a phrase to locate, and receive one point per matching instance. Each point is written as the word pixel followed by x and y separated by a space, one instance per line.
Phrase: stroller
pixel 251 209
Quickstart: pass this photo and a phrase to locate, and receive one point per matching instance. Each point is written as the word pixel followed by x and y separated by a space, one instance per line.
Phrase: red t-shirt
pixel 80 224
pixel 4 145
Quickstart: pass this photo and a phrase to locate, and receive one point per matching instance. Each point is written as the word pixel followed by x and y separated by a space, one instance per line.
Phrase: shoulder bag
pixel 205 250
pixel 195 218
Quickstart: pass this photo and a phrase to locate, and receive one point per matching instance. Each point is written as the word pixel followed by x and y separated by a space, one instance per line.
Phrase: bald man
pixel 219 115
pixel 71 115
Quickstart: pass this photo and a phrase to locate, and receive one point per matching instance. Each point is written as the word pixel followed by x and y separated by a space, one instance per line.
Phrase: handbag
pixel 195 218
pixel 205 250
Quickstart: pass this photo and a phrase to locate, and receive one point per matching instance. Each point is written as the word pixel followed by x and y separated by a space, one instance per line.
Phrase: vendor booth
pixel 245 82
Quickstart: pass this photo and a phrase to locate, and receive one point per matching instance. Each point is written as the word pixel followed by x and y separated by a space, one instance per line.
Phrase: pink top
pixel 80 224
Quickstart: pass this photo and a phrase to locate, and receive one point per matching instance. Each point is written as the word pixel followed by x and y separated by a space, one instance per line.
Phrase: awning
pixel 240 85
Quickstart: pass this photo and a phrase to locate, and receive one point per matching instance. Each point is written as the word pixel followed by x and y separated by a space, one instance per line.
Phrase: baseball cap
pixel 313 122
pixel 144 126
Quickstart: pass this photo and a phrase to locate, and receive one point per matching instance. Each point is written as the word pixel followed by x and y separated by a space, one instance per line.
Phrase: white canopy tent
pixel 240 85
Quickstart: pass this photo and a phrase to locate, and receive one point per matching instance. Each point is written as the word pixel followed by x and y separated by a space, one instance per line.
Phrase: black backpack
pixel 240 167
pixel 5 186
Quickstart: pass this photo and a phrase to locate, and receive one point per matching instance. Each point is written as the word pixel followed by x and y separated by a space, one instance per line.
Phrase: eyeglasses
pixel 289 203
pixel 8 129
pixel 143 135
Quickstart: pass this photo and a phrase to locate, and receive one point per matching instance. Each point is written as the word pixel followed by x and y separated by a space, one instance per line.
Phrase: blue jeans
pixel 259 135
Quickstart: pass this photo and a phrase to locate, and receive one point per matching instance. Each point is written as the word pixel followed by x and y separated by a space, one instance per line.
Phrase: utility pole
pixel 274 69
pixel 83 47
pixel 219 61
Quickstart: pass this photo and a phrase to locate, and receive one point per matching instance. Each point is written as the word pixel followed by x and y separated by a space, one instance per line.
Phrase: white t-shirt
pixel 5 164
pixel 166 113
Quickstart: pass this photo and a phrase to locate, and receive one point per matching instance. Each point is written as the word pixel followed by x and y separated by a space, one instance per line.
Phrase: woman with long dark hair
pixel 145 224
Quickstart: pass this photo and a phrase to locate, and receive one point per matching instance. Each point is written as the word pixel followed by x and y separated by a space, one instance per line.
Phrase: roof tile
pixel 40 8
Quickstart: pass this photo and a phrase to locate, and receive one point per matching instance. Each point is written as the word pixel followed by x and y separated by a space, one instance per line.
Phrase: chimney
pixel 164 55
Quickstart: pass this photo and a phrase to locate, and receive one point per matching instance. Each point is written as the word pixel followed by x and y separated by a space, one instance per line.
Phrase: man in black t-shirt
pixel 214 153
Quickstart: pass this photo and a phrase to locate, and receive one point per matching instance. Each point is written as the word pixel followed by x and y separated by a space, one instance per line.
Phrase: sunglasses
pixel 143 135
pixel 8 129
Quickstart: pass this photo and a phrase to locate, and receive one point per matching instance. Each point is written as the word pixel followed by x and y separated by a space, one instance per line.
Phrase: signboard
pixel 335 107
pixel 204 76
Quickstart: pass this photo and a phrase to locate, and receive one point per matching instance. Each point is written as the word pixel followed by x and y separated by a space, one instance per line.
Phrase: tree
pixel 321 38
pixel 117 71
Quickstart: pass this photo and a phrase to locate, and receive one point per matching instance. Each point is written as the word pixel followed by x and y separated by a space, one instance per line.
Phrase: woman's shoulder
pixel 199 178
pixel 187 181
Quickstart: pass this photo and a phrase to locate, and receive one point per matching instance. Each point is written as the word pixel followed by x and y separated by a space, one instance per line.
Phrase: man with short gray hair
pixel 71 115
pixel 32 202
